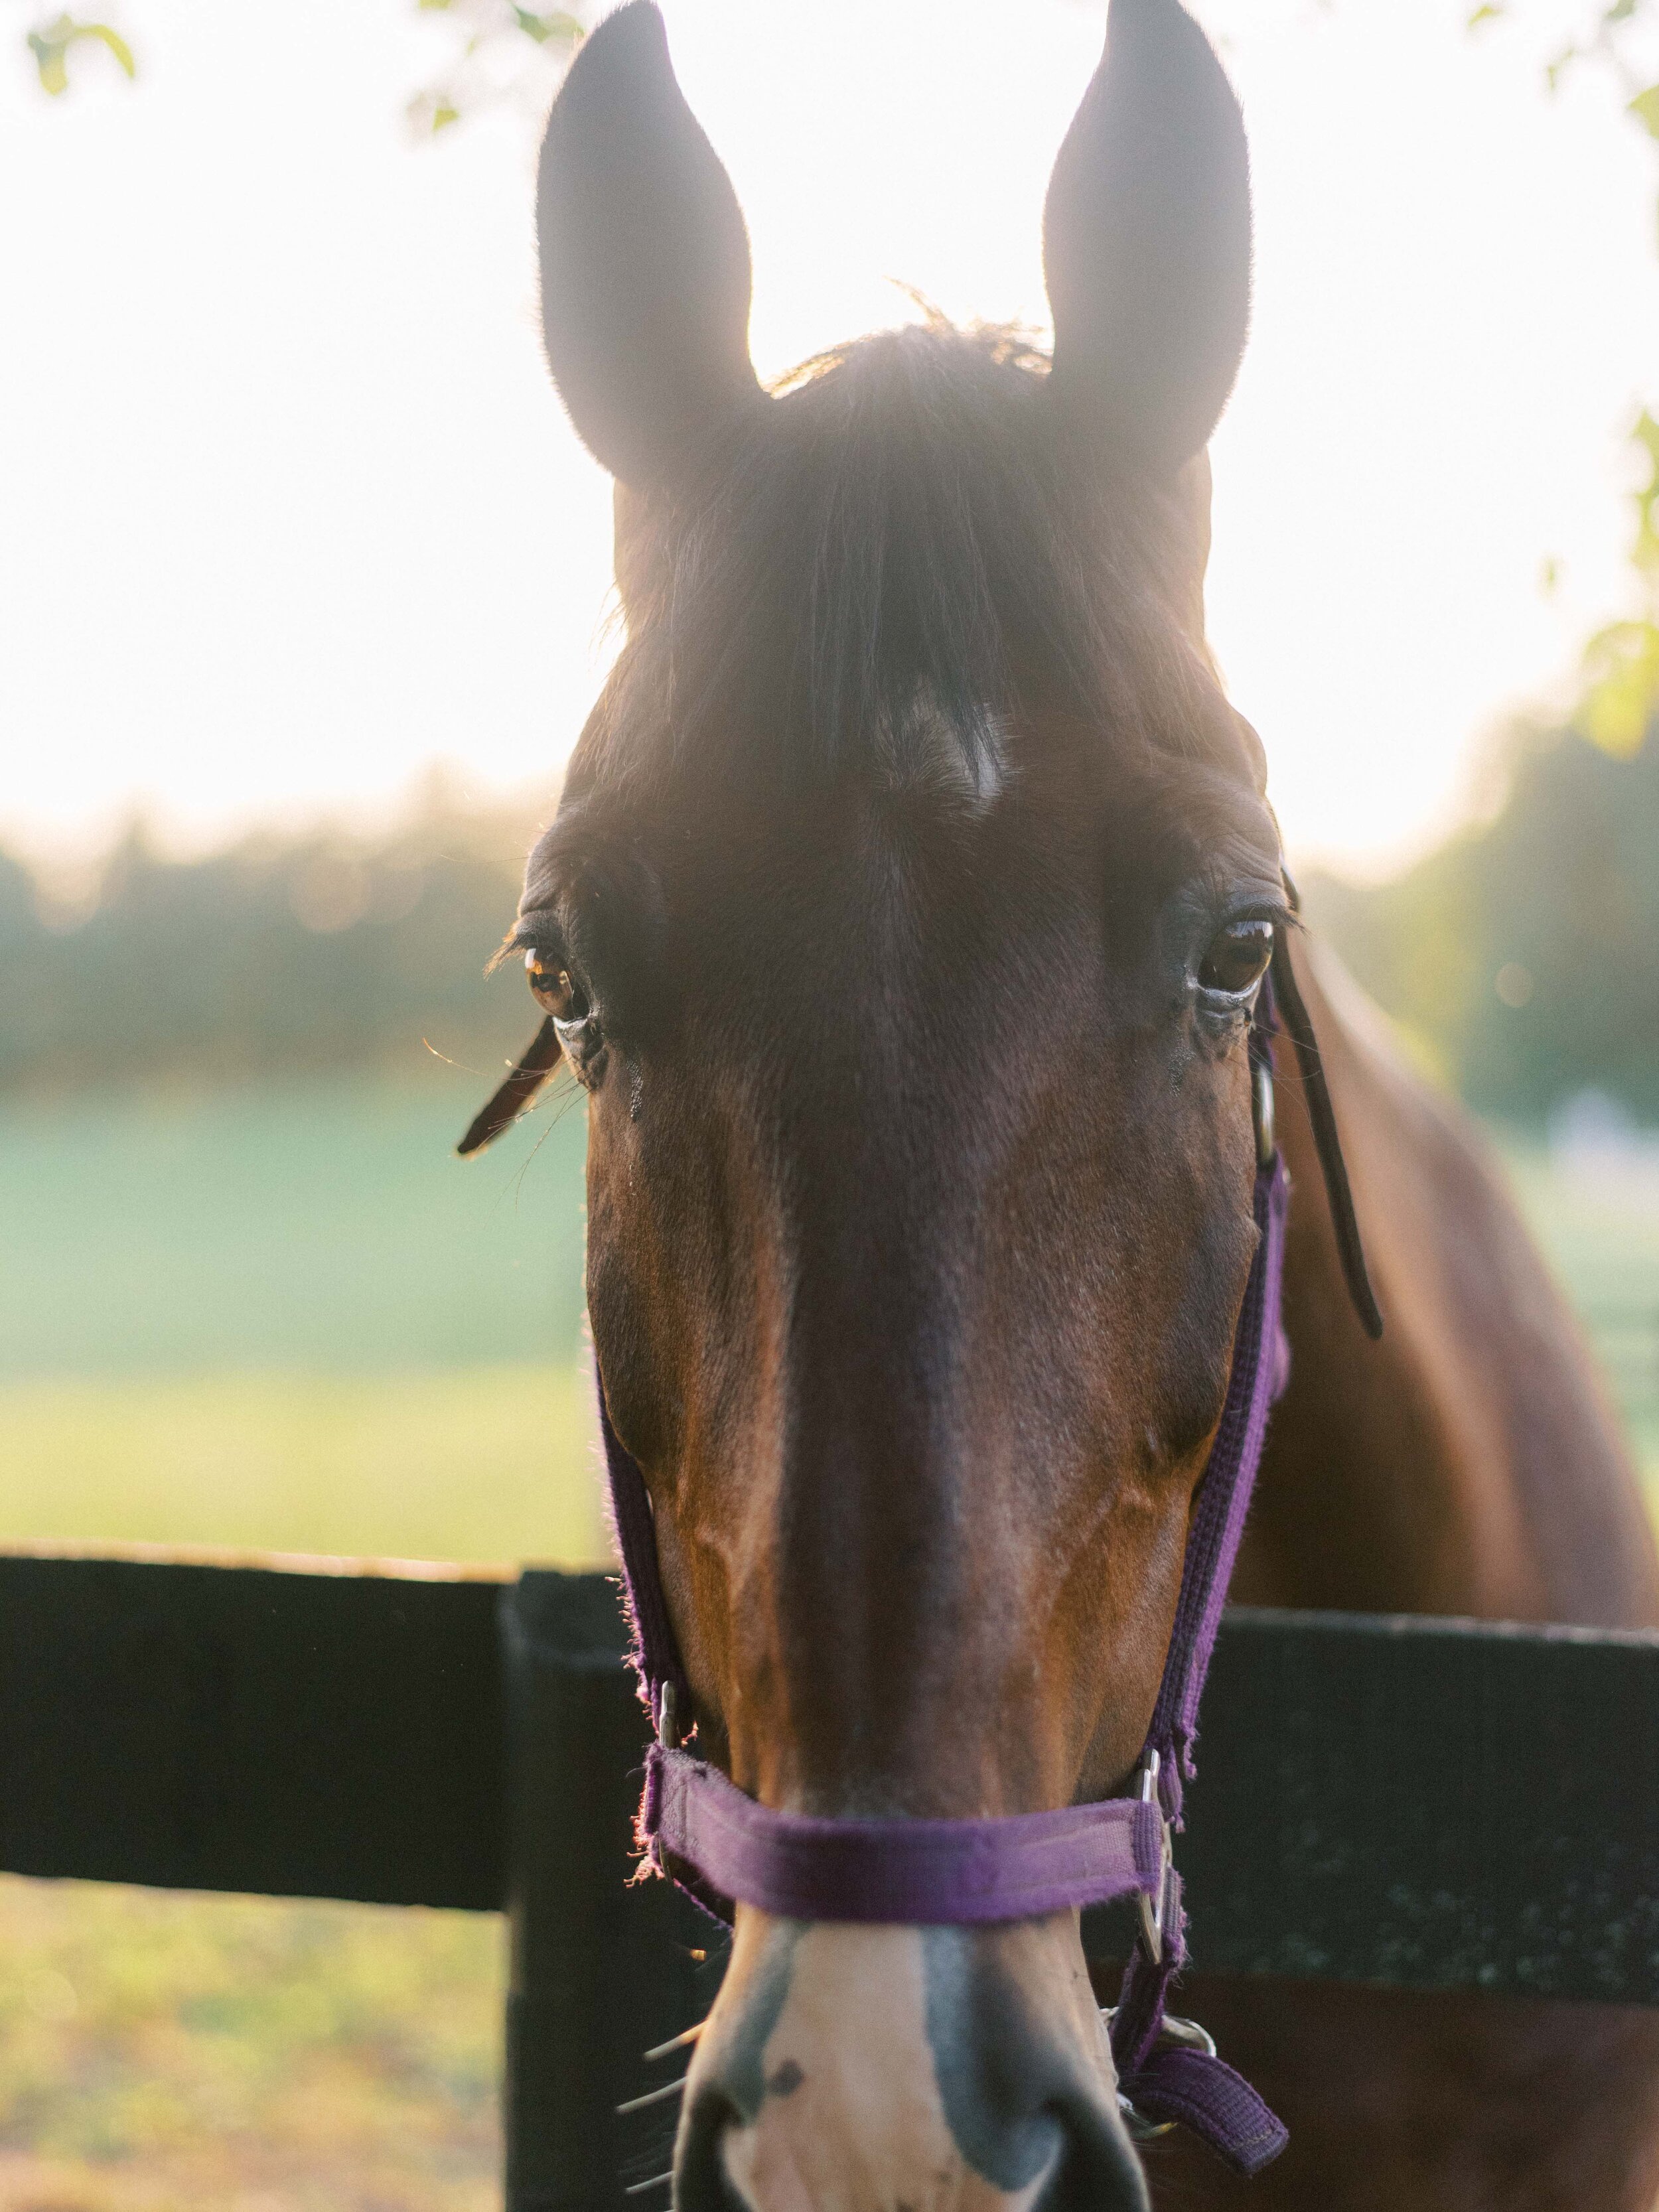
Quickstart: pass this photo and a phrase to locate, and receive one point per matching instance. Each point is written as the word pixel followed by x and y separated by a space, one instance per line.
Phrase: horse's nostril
pixel 700 2178
pixel 1100 2171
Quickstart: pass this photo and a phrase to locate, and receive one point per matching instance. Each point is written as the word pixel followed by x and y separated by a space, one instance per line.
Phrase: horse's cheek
pixel 631 1323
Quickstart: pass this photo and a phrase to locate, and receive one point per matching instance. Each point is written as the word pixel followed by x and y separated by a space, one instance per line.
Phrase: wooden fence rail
pixel 1427 1804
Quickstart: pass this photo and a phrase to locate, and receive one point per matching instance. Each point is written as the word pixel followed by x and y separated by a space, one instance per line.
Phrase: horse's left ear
pixel 1146 241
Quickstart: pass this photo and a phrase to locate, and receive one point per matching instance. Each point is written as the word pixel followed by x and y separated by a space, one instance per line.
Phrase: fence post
pixel 601 1970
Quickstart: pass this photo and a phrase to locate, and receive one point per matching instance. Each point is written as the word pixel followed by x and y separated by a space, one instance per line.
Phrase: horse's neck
pixel 1468 1463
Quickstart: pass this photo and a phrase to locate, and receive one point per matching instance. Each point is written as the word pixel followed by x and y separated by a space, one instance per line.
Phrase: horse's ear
pixel 644 258
pixel 1147 240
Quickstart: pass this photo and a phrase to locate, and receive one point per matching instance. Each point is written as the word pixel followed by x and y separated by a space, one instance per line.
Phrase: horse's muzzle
pixel 849 2069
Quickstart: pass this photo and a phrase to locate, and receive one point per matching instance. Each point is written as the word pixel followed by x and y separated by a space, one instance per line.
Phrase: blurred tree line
pixel 1522 957
pixel 280 956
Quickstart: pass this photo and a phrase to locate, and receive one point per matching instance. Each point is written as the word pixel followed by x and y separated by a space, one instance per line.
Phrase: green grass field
pixel 291 1320
pixel 476 1463
pixel 325 1228
pixel 1603 1245
pixel 172 2053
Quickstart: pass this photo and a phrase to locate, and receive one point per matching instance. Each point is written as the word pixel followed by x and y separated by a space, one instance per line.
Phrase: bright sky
pixel 288 510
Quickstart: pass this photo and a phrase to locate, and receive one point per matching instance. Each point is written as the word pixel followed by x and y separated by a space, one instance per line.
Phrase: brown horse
pixel 904 919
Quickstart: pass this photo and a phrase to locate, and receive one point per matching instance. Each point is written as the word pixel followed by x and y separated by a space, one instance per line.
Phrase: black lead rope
pixel 1293 1012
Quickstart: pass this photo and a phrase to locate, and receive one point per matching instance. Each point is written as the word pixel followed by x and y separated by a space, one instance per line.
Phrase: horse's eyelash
pixel 1273 910
pixel 548 943
pixel 518 942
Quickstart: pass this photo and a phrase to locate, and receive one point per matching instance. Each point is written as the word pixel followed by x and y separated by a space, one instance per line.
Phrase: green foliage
pixel 482 68
pixel 542 28
pixel 1524 955
pixel 1602 41
pixel 1622 663
pixel 1645 552
pixel 489 56
pixel 51 44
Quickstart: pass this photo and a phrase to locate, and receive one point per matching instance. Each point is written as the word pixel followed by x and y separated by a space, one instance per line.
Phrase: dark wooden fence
pixel 1426 1804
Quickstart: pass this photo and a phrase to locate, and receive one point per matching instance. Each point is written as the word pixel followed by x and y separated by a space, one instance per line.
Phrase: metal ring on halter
pixel 1261 1103
pixel 1171 2029
pixel 667 1735
pixel 1136 2125
pixel 1152 1909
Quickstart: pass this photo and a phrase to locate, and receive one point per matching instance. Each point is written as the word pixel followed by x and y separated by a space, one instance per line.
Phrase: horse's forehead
pixel 749 822
pixel 936 838
pixel 902 869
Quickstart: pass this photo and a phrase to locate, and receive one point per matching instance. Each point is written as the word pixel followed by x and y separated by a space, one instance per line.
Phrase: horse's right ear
pixel 1146 241
pixel 645 267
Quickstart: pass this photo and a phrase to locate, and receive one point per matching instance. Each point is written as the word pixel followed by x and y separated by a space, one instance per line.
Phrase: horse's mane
pixel 890 557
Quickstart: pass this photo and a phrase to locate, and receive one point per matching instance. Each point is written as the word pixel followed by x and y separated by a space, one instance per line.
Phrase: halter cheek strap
pixel 721 1845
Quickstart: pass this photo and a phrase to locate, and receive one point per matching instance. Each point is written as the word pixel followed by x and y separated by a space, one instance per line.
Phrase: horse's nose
pixel 852 2069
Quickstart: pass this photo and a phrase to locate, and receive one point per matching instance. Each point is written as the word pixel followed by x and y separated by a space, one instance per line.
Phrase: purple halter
pixel 723 1846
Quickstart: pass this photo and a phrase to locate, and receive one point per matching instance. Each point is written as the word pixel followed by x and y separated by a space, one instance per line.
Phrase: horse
pixel 908 918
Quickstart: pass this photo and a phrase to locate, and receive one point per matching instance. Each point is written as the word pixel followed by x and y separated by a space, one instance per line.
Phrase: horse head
pixel 904 918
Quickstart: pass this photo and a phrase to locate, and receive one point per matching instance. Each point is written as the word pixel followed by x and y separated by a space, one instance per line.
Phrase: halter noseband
pixel 721 1845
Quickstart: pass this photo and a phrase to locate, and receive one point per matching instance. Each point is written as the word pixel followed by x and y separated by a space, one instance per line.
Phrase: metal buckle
pixel 1261 1105
pixel 1171 2029
pixel 1152 1910
pixel 667 1732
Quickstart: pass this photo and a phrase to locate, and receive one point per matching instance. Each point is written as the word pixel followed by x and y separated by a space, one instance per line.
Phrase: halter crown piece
pixel 721 1845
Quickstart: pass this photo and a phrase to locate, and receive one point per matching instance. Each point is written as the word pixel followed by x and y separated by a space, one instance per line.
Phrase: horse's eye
pixel 556 988
pixel 1237 958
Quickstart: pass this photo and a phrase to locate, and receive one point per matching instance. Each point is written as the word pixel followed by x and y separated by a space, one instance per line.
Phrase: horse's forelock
pixel 886 570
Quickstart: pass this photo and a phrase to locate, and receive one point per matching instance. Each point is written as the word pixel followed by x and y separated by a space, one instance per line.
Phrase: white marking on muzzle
pixel 853 2119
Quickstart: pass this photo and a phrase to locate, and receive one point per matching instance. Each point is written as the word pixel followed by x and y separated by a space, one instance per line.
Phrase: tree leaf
pixel 1645 108
pixel 111 38
pixel 49 61
pixel 433 111
pixel 1621 664
pixel 1487 14
pixel 1645 434
pixel 543 28
pixel 51 44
